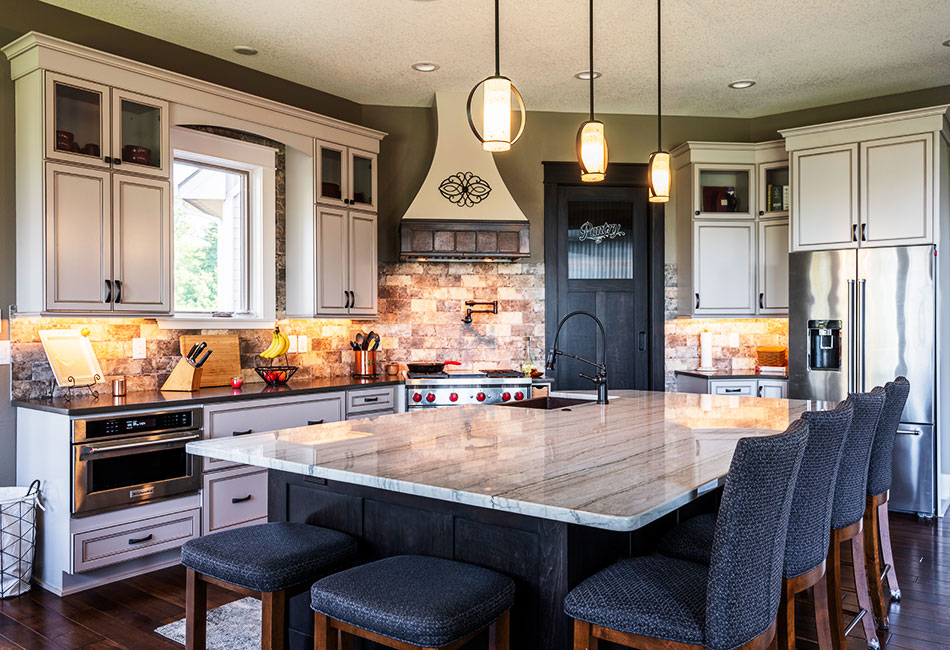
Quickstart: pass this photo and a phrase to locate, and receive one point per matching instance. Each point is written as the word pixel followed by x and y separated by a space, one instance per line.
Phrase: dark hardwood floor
pixel 125 614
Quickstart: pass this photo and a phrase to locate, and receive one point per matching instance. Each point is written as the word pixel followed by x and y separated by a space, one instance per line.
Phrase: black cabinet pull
pixel 310 423
pixel 854 232
pixel 761 300
pixel 242 433
pixel 140 539
pixel 864 232
pixel 346 295
pixel 118 291
pixel 352 299
pixel 697 301
pixel 107 159
pixel 732 390
pixel 370 399
pixel 760 390
pixel 116 161
pixel 761 212
pixel 108 291
pixel 697 213
pixel 643 341
pixel 241 499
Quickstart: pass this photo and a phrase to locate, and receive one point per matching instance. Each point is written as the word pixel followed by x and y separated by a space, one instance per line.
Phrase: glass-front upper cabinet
pixel 773 189
pixel 139 133
pixel 77 118
pixel 332 187
pixel 724 191
pixel 362 179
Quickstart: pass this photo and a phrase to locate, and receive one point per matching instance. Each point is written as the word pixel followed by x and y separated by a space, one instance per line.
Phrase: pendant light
pixel 496 107
pixel 658 171
pixel 591 137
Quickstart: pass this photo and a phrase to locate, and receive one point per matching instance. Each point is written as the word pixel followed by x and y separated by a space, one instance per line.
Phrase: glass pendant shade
pixel 592 151
pixel 659 176
pixel 496 118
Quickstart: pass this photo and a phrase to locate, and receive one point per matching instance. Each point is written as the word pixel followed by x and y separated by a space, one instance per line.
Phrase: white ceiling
pixel 802 53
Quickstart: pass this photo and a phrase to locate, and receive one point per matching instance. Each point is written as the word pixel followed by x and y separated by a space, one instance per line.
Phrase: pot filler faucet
pixel 600 379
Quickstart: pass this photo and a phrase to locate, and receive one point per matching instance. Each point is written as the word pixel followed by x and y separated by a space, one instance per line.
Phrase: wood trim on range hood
pixel 434 240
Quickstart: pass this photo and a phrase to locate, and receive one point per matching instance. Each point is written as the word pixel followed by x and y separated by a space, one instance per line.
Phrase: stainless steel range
pixel 476 387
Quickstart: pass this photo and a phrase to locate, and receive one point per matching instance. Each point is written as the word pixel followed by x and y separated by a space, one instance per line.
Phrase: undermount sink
pixel 548 403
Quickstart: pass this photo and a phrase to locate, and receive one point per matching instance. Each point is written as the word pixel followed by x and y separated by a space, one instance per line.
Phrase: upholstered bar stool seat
pixel 272 561
pixel 413 600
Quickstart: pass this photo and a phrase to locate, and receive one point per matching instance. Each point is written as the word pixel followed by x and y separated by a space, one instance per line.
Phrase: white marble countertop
pixel 617 467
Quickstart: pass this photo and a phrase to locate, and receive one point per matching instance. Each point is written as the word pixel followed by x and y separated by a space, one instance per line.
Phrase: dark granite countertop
pixel 85 404
pixel 732 374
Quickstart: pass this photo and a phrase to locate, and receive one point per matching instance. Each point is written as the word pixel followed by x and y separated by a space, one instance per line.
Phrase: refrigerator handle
pixel 852 348
pixel 862 296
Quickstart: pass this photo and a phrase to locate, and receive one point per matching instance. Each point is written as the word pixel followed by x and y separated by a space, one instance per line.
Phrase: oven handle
pixel 91 452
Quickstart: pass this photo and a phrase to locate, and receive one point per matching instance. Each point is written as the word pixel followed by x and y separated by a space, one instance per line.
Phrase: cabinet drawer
pixel 234 497
pixel 258 416
pixel 735 388
pixel 372 399
pixel 104 546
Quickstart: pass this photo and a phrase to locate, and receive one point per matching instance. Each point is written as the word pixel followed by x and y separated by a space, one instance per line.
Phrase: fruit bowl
pixel 276 375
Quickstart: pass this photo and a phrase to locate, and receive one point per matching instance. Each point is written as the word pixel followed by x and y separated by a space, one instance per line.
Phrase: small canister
pixel 365 363
pixel 392 368
pixel 118 387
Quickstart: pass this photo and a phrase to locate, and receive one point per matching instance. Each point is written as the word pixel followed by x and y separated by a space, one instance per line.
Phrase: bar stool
pixel 411 601
pixel 809 525
pixel 665 603
pixel 877 528
pixel 271 561
pixel 846 518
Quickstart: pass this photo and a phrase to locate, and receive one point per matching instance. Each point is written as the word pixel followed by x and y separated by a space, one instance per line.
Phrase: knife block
pixel 184 378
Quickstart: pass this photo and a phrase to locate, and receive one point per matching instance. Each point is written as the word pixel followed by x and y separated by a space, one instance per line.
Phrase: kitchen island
pixel 546 497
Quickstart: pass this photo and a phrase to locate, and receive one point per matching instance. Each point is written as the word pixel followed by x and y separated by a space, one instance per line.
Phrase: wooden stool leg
pixel 272 620
pixel 786 620
pixel 872 563
pixel 833 578
pixel 886 551
pixel 346 641
pixel 324 637
pixel 196 611
pixel 498 633
pixel 582 636
pixel 861 587
pixel 822 624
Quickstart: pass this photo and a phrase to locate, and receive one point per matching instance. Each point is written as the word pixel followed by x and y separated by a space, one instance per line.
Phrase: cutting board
pixel 223 364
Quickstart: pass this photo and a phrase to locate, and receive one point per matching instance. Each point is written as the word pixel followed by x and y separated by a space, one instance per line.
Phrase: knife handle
pixel 204 358
pixel 191 353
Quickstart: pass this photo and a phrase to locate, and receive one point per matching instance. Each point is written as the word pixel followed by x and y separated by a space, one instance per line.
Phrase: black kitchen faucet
pixel 600 379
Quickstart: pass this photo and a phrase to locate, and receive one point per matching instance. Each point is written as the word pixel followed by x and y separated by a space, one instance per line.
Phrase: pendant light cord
pixel 497 56
pixel 659 85
pixel 590 69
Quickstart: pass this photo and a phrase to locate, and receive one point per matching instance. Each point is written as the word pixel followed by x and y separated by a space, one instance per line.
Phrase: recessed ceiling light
pixel 425 66
pixel 245 49
pixel 742 83
pixel 584 75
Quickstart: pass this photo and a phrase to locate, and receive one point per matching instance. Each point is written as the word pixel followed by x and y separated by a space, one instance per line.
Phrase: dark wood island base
pixel 545 558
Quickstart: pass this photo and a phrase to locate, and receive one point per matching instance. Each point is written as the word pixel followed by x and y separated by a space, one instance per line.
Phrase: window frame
pixel 259 161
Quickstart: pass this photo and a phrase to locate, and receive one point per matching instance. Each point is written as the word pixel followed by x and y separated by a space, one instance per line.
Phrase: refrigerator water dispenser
pixel 824 345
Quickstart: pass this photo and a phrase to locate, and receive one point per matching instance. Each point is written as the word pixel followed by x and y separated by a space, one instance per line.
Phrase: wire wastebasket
pixel 17 537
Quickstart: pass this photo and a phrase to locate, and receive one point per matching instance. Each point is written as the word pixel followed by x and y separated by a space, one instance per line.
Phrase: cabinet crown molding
pixel 35 50
pixel 934 118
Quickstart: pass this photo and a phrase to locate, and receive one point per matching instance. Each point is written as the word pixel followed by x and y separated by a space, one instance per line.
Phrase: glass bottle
pixel 528 364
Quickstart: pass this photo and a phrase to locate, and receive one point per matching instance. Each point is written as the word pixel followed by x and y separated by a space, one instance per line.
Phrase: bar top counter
pixel 616 467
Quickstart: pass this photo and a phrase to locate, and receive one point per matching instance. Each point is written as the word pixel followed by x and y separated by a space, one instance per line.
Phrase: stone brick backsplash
pixel 682 342
pixel 421 306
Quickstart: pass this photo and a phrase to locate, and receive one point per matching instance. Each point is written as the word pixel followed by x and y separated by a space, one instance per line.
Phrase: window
pixel 224 220
pixel 211 238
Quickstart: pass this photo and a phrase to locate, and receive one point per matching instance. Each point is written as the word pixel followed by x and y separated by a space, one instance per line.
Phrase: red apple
pixel 236 382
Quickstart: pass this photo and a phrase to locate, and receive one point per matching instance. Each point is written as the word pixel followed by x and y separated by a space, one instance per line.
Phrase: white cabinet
pixel 868 182
pixel 233 498
pixel 825 198
pixel 345 176
pixel 731 221
pixel 897 191
pixel 724 267
pixel 772 387
pixel 346 262
pixel 775 388
pixel 142 244
pixel 733 387
pixel 772 267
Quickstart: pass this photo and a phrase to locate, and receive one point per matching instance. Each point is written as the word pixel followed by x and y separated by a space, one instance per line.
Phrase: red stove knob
pixel 519 395
pixel 454 397
pixel 480 397
pixel 505 397
pixel 417 398
pixel 430 397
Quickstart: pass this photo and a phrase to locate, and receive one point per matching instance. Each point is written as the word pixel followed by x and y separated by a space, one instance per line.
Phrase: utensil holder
pixel 184 378
pixel 364 363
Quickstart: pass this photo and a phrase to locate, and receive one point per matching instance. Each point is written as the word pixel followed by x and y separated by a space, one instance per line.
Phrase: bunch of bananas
pixel 279 345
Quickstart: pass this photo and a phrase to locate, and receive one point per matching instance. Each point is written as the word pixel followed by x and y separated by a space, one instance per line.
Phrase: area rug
pixel 235 626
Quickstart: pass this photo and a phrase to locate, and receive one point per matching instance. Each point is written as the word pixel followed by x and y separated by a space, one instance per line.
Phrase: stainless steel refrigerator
pixel 858 319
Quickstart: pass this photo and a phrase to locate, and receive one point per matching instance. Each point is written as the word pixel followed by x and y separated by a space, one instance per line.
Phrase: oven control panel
pixel 137 424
